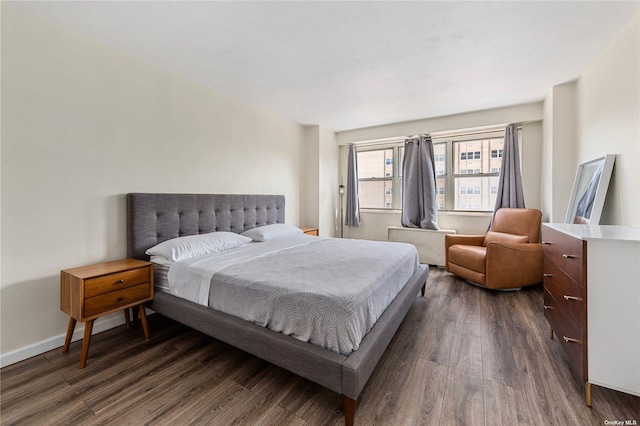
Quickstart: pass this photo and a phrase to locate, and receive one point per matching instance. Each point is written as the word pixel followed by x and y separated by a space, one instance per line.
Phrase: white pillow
pixel 197 245
pixel 271 232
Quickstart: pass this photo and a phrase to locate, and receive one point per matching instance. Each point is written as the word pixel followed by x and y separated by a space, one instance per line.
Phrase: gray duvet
pixel 325 291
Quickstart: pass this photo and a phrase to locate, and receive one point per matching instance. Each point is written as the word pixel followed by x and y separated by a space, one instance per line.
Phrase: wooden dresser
pixel 91 291
pixel 592 301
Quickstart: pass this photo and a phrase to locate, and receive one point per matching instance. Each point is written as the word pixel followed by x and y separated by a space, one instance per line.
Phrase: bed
pixel 154 218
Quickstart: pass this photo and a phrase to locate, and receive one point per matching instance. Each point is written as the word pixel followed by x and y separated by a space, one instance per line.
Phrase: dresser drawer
pixel 565 251
pixel 567 292
pixel 569 336
pixel 115 299
pixel 117 281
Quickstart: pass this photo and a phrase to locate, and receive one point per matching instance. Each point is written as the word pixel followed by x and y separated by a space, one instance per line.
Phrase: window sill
pixel 440 212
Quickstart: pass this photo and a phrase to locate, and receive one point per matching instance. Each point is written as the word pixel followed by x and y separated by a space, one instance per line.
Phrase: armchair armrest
pixel 453 239
pixel 513 264
pixel 467 240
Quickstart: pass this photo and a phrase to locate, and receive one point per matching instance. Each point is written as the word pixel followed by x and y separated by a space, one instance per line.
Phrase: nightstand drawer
pixel 113 282
pixel 115 299
pixel 567 292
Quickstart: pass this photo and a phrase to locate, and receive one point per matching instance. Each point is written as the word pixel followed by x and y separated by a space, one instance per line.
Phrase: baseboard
pixel 57 341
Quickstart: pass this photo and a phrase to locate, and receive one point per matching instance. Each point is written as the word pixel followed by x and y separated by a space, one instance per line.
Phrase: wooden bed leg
pixel 424 288
pixel 349 410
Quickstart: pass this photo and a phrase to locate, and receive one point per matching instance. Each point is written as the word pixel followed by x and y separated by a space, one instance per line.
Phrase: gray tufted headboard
pixel 153 218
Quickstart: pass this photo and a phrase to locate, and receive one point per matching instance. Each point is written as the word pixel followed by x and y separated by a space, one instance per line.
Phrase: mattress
pixel 325 291
pixel 160 272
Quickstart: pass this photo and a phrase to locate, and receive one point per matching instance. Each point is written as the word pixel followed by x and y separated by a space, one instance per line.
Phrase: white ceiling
pixel 346 65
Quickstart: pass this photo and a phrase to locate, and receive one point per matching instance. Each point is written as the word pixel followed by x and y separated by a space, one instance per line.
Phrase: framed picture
pixel 590 190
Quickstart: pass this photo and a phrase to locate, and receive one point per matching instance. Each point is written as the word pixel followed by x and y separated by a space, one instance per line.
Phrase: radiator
pixel 429 243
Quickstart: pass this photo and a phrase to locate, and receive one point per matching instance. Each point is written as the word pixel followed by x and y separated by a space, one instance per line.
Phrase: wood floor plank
pixel 313 403
pixel 500 404
pixel 464 393
pixel 464 355
pixel 422 399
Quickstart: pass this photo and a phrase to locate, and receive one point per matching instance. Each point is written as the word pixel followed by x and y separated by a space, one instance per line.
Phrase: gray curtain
pixel 353 207
pixel 419 208
pixel 510 192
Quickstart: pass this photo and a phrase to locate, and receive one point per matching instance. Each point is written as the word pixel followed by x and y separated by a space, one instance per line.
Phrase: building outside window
pixel 476 172
pixel 377 175
pixel 467 172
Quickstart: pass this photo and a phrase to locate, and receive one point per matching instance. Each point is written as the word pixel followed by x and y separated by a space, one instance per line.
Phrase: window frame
pixel 396 179
pixel 449 176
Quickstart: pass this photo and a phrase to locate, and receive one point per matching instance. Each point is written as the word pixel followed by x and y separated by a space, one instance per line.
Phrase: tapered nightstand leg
pixel 70 329
pixel 88 328
pixel 127 321
pixel 143 320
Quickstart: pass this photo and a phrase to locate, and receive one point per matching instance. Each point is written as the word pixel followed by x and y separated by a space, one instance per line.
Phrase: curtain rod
pixel 436 135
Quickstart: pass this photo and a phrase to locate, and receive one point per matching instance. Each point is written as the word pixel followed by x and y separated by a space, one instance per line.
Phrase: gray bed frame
pixel 153 218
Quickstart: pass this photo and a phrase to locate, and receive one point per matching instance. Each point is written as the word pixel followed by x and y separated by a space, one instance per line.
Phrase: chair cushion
pixel 501 237
pixel 470 257
pixel 518 222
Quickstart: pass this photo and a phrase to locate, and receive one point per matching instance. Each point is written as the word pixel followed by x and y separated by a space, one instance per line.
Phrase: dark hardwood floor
pixel 463 355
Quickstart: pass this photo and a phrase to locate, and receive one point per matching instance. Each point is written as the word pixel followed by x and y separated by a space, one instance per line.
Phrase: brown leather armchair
pixel 507 257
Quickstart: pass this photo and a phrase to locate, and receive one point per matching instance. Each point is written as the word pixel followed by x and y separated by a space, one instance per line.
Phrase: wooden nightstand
pixel 310 231
pixel 91 291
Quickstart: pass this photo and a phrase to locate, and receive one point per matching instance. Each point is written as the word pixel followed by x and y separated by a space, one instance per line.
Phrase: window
pixel 471 155
pixel 467 172
pixel 378 173
pixel 465 184
pixel 474 177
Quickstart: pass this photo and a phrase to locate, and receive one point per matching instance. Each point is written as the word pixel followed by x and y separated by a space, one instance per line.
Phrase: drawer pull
pixel 547 275
pixel 547 243
pixel 570 340
pixel 120 298
pixel 547 307
pixel 571 297
pixel 120 282
pixel 569 256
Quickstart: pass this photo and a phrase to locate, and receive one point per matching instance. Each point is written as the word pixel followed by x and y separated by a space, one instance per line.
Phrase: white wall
pixel 559 150
pixel 608 99
pixel 375 222
pixel 328 183
pixel 83 124
pixel 319 197
pixel 310 162
pixel 489 117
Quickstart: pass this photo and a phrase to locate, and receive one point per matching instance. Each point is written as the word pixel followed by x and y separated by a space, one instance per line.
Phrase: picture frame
pixel 590 190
